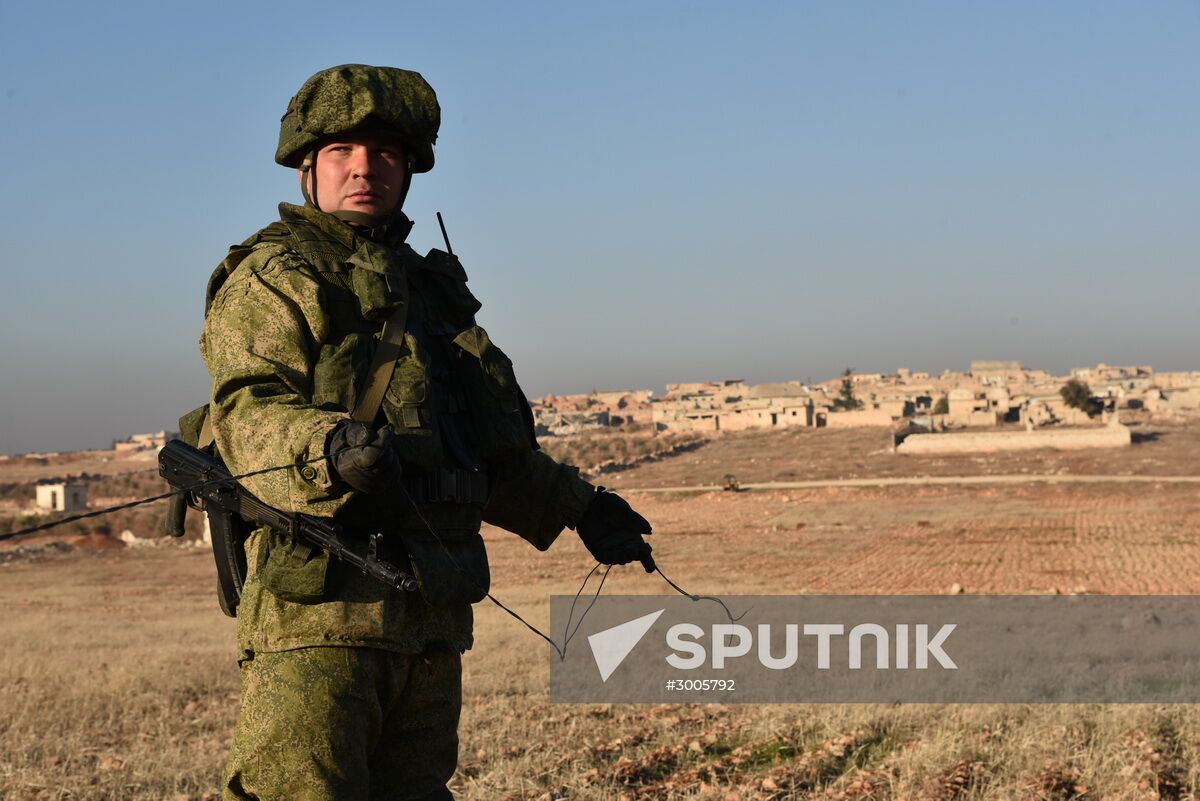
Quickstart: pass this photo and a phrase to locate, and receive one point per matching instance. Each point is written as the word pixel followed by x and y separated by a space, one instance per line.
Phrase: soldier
pixel 350 689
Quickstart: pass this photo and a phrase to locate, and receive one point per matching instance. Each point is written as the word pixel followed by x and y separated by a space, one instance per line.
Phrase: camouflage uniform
pixel 351 689
pixel 346 723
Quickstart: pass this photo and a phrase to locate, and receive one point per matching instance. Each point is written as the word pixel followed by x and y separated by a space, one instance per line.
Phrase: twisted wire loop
pixel 568 632
pixel 694 597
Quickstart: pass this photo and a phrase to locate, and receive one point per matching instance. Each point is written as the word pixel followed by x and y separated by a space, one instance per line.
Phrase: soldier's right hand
pixel 363 458
pixel 613 532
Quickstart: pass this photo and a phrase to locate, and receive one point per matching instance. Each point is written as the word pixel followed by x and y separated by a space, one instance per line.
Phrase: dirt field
pixel 120 680
pixel 1161 449
pixel 31 468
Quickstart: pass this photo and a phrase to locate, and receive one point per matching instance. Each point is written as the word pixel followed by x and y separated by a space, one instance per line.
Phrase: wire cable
pixel 193 488
pixel 568 632
pixel 694 597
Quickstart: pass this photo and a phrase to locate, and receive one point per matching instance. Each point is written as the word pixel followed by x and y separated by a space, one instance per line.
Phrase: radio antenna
pixel 445 238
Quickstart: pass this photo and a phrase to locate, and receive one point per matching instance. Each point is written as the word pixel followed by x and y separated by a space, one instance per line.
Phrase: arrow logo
pixel 611 646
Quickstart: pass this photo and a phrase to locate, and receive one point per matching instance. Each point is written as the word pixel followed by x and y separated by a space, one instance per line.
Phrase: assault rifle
pixel 233 512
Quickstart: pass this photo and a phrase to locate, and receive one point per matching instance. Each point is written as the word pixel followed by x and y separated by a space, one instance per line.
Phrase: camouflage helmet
pixel 357 98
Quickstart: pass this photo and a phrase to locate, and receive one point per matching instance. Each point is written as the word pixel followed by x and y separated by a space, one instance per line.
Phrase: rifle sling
pixel 391 344
pixel 206 433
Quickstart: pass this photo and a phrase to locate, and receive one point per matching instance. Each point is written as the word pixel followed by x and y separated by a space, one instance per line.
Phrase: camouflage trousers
pixel 346 724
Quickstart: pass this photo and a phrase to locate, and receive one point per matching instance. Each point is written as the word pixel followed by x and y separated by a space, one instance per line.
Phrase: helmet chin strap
pixel 358 219
pixel 309 174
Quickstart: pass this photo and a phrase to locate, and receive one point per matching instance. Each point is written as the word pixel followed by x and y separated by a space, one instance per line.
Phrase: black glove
pixel 371 463
pixel 613 532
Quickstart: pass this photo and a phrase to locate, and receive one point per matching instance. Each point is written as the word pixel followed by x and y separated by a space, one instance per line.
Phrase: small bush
pixel 1078 395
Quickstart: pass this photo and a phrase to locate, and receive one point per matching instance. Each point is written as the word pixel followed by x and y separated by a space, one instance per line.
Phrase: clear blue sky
pixel 641 192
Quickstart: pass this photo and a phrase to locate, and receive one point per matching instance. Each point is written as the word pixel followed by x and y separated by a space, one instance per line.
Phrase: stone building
pixel 61 495
pixel 143 442
pixel 558 424
pixel 991 393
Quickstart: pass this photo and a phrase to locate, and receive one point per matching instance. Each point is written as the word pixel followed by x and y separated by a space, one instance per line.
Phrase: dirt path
pixel 926 481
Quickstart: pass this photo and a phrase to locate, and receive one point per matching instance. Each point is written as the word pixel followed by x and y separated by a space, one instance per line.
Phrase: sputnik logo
pixel 611 646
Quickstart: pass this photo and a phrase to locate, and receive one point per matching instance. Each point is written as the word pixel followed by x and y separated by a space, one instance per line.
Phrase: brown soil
pixel 1160 449
pixel 95 542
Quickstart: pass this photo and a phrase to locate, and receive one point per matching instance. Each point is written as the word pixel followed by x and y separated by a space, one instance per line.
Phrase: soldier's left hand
pixel 363 458
pixel 613 532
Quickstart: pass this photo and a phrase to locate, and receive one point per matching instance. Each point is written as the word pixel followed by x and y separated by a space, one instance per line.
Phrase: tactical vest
pixel 453 403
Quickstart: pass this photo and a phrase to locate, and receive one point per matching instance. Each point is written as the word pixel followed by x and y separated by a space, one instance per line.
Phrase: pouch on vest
pixel 291 571
pixel 452 567
pixel 495 400
pixel 445 288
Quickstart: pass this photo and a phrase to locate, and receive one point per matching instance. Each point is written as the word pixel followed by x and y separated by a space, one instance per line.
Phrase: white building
pixel 61 495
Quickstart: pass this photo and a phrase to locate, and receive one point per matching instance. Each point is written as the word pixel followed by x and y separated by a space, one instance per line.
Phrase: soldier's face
pixel 359 173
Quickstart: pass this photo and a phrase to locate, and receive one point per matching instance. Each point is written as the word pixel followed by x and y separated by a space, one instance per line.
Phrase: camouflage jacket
pixel 288 338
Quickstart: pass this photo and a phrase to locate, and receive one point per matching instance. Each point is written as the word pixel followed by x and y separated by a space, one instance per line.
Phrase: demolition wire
pixel 568 632
pixel 194 488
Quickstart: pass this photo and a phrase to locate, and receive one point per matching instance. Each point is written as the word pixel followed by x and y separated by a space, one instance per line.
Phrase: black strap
pixel 447 485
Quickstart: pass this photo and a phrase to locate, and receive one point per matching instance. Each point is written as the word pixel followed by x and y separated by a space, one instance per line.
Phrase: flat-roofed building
pixel 61 495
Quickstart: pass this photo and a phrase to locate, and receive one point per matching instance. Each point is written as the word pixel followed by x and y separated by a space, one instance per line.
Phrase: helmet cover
pixel 357 98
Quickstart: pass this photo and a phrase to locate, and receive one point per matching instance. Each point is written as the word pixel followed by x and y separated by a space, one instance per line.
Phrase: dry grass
pixel 31 468
pixel 612 451
pixel 120 679
pixel 144 521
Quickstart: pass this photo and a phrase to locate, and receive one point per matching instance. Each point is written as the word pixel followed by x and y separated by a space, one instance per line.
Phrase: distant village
pixel 989 394
pixel 995 405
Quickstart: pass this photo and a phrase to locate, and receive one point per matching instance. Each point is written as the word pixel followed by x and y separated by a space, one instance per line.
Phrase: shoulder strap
pixel 391 343
pixel 206 434
pixel 273 233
